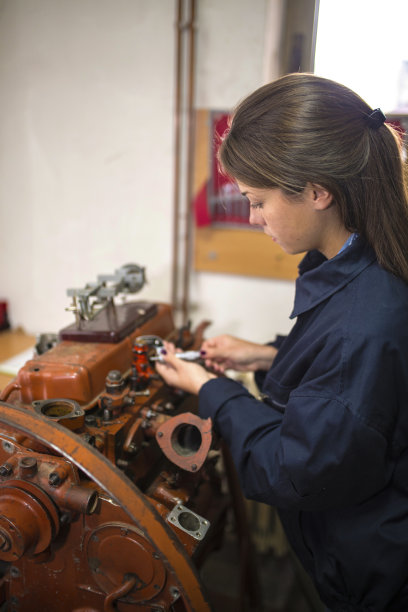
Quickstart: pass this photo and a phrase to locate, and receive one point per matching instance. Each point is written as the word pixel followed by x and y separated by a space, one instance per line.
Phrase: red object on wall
pixel 4 321
pixel 219 200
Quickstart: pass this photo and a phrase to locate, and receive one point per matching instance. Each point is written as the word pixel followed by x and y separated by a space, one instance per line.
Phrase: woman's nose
pixel 255 216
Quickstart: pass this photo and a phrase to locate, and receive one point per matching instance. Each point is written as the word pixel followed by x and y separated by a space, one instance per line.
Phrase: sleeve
pixel 314 455
pixel 260 374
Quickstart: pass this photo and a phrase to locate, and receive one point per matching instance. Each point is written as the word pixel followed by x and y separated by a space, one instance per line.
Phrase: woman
pixel 328 444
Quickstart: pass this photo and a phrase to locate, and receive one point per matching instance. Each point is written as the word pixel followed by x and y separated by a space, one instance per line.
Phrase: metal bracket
pixel 188 521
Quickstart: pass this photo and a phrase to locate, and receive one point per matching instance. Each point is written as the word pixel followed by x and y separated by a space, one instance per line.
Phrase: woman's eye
pixel 256 205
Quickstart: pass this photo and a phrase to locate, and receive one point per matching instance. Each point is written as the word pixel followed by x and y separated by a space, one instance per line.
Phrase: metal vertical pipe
pixel 185 304
pixel 177 157
pixel 183 156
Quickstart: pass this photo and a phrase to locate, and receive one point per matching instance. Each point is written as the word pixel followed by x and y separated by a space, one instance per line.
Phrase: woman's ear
pixel 321 197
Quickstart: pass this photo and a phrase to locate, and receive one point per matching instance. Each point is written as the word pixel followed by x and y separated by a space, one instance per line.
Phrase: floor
pixel 282 585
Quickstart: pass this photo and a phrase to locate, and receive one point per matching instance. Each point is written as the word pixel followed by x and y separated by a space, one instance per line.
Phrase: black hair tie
pixel 375 119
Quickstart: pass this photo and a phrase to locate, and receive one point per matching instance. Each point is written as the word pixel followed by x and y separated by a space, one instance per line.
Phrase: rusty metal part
pixel 122 492
pixel 8 390
pixel 77 370
pixel 129 446
pixel 185 440
pixel 123 590
pixel 117 550
pixel 142 371
pixel 28 520
pixel 109 492
pixel 188 521
pixel 64 411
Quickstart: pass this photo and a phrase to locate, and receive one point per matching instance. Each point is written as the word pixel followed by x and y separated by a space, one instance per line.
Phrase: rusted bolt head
pixel 28 466
pixel 28 462
pixel 54 480
pixel 114 376
pixel 65 518
pixel 90 419
pixel 6 469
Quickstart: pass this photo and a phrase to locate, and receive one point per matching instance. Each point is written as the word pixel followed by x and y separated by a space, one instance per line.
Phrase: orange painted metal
pixel 98 459
pixel 28 520
pixel 185 440
pixel 78 369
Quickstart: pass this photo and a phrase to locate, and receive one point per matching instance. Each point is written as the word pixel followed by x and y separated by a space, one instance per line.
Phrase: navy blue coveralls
pixel 328 445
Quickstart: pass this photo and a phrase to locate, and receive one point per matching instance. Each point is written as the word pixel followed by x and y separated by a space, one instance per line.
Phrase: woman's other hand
pixel 181 374
pixel 227 352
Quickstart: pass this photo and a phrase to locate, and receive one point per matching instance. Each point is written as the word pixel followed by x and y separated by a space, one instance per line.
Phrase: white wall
pixel 86 151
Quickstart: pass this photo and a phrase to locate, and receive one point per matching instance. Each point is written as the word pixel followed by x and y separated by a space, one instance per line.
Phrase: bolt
pixel 114 382
pixel 88 439
pixel 194 467
pixel 174 592
pixel 28 466
pixel 114 376
pixel 14 572
pixel 90 419
pixel 107 414
pixel 54 480
pixel 159 434
pixel 6 469
pixel 28 462
pixel 8 446
pixel 65 518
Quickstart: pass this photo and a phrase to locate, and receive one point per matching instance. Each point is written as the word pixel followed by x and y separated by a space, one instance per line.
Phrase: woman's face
pixel 297 224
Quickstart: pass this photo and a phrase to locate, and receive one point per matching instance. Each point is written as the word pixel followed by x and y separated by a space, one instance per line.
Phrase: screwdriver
pixel 186 355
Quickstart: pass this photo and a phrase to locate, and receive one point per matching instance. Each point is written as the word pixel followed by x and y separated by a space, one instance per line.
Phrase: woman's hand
pixel 181 374
pixel 227 352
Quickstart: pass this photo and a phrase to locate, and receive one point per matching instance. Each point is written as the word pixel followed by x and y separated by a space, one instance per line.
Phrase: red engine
pixel 110 495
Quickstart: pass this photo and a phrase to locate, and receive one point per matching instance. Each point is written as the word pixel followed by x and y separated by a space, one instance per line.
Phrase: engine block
pixel 110 492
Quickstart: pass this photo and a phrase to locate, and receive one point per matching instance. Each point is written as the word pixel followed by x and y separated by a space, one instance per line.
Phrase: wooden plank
pixel 201 149
pixel 13 342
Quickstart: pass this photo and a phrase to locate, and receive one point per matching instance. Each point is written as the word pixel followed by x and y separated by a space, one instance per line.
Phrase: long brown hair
pixel 302 128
